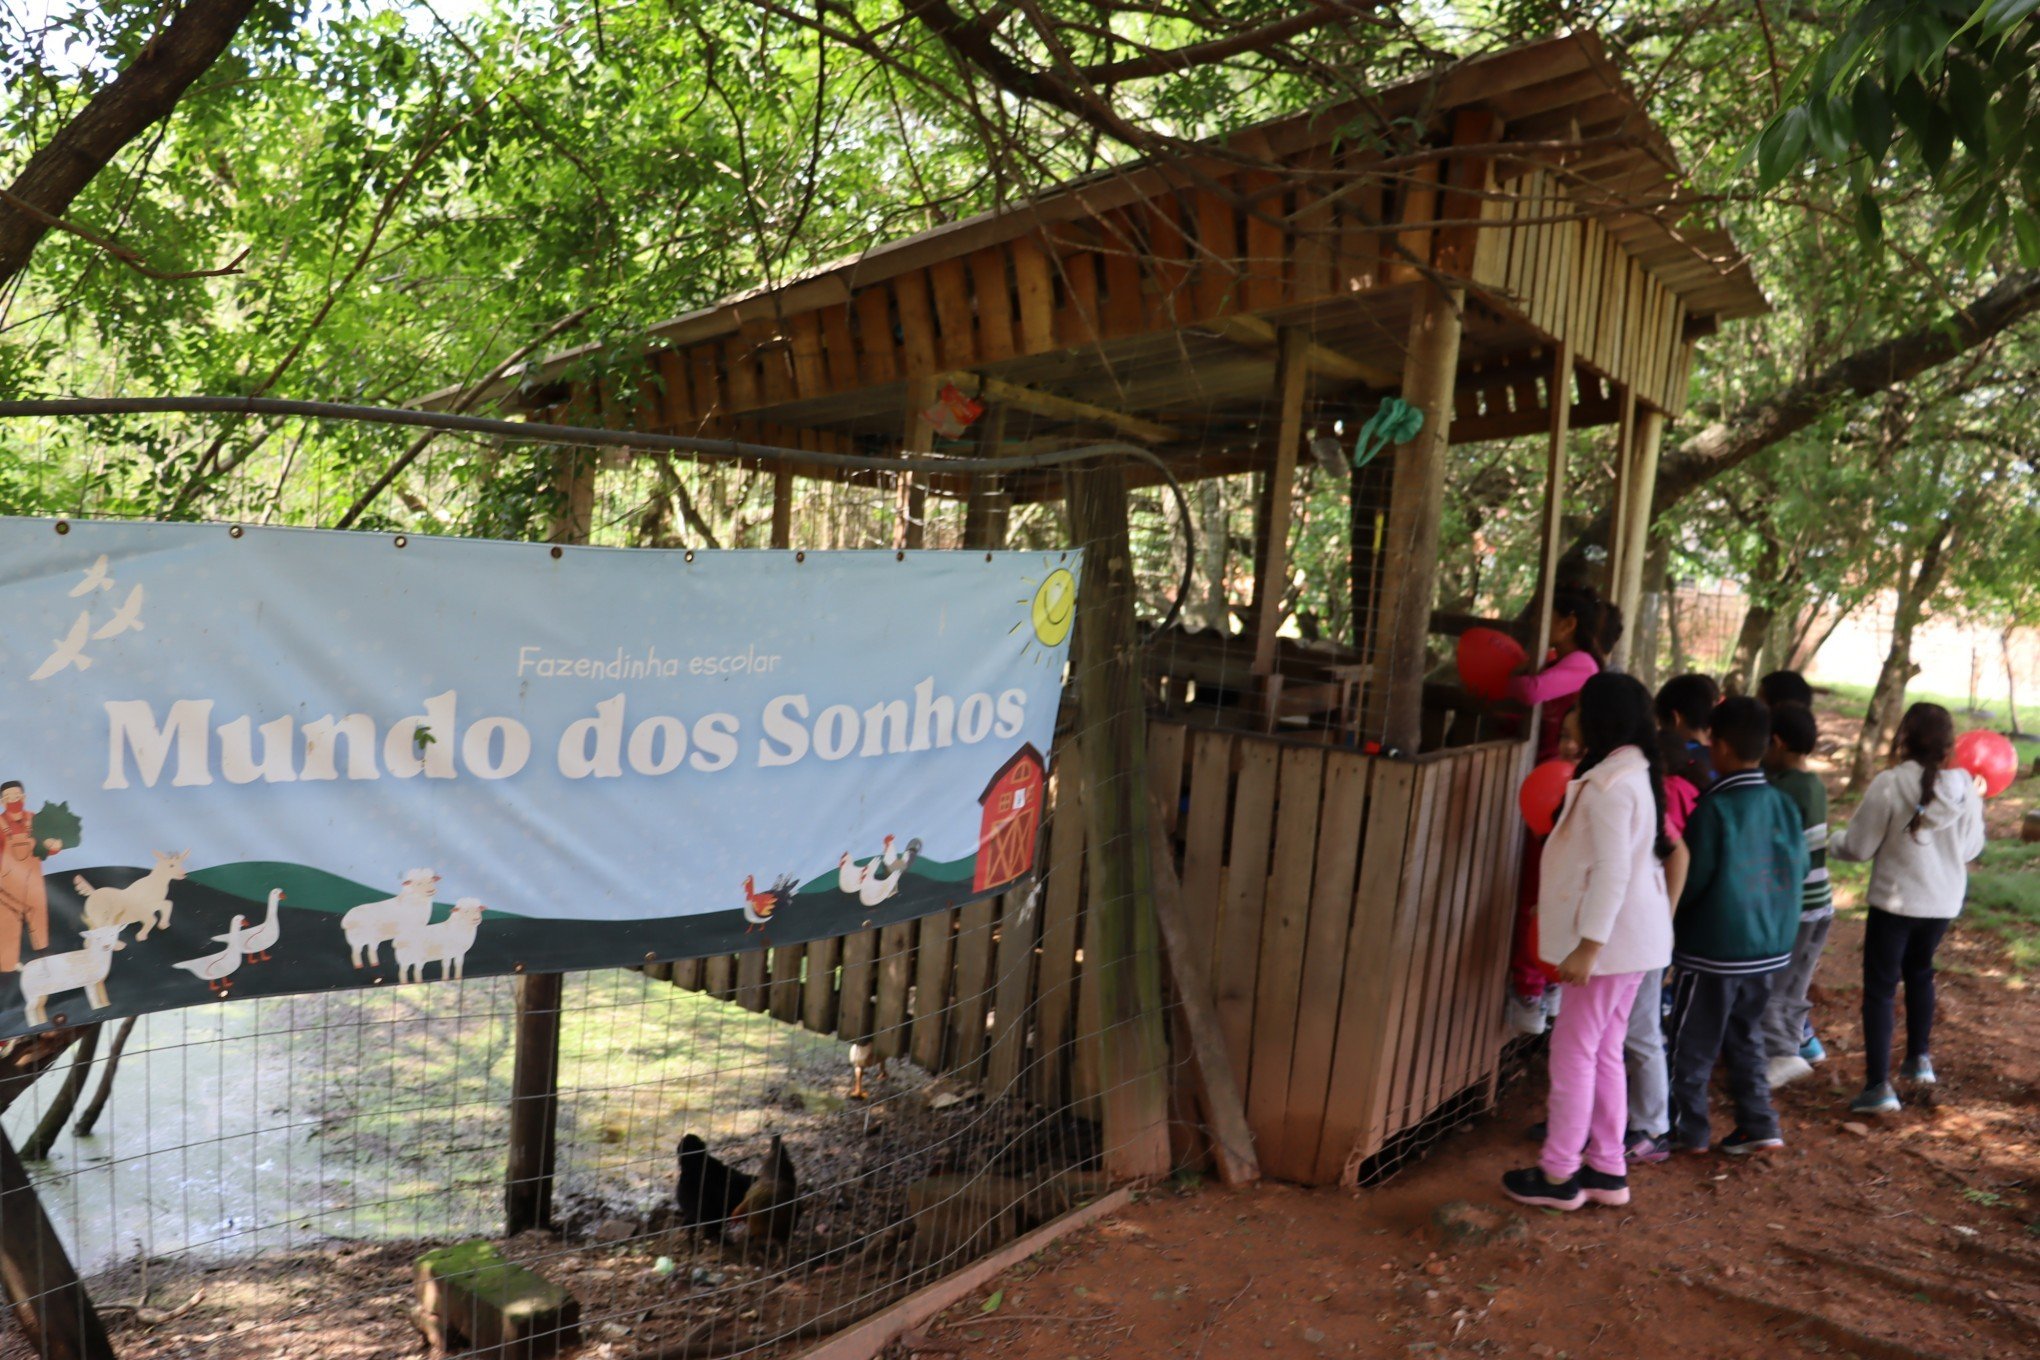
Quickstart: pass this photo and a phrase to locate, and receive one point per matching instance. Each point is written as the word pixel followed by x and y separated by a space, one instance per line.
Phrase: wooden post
pixel 1271 558
pixel 535 1068
pixel 1625 482
pixel 42 1288
pixel 1552 542
pixel 1635 512
pixel 782 507
pixel 990 507
pixel 1415 505
pixel 911 531
pixel 1107 663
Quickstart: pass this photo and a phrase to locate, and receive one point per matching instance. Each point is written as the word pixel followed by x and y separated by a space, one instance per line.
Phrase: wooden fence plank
pixel 934 964
pixel 784 993
pixel 949 280
pixel 972 989
pixel 1425 818
pixel 1341 823
pixel 1447 998
pixel 1285 922
pixel 1358 1044
pixel 1236 949
pixel 994 303
pixel 878 353
pixel 1215 287
pixel 895 970
pixel 1166 745
pixel 1484 997
pixel 719 976
pixel 1420 1016
pixel 1061 909
pixel 1170 256
pixel 1266 247
pixel 1034 291
pixel 687 974
pixel 1013 971
pixel 919 348
pixel 818 990
pixel 860 975
pixel 1122 308
pixel 1204 836
pixel 1076 321
pixel 751 979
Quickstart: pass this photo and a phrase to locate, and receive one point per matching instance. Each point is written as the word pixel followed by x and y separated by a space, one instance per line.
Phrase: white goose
pixel 850 874
pixel 262 938
pixel 218 969
pixel 876 889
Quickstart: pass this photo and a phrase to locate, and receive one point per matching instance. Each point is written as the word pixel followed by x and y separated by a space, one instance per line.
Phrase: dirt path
pixel 1919 1236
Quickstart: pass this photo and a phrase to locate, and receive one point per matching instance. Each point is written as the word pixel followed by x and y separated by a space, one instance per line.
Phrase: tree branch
pixel 125 254
pixel 141 95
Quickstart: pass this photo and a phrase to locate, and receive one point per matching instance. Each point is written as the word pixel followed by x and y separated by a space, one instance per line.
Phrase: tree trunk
pixel 1643 653
pixel 1887 701
pixel 1207 606
pixel 1749 648
pixel 1681 662
pixel 59 1113
pixel 90 1119
pixel 138 98
pixel 2011 678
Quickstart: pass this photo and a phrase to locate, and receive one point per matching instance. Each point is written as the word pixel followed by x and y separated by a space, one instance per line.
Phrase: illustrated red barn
pixel 1012 815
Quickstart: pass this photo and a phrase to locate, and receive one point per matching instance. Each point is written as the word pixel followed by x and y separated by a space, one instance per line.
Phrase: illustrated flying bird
pixel 70 650
pixel 95 579
pixel 126 618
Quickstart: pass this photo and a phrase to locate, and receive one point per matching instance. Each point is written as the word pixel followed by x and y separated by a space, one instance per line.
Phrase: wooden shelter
pixel 1533 266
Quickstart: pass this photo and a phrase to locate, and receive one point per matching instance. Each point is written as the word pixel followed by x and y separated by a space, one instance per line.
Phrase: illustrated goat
pixel 84 968
pixel 146 901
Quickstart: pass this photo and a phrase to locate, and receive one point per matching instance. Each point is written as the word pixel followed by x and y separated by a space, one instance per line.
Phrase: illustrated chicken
pixel 759 906
pixel 771 1208
pixel 864 1055
pixel 709 1192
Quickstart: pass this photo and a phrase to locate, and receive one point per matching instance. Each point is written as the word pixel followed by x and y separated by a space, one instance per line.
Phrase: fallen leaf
pixel 991 1305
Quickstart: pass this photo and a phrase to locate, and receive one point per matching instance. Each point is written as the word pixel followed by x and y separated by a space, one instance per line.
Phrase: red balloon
pixel 1487 657
pixel 1990 757
pixel 1543 794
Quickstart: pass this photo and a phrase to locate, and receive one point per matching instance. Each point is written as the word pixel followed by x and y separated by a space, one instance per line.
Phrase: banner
pixel 244 761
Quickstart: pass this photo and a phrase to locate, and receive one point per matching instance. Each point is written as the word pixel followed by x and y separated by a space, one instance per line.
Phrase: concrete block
pixel 470 1298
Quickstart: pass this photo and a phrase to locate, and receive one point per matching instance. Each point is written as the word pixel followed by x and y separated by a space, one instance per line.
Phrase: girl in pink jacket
pixel 1604 919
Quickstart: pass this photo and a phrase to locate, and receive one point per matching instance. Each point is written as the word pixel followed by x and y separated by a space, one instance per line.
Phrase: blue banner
pixel 247 761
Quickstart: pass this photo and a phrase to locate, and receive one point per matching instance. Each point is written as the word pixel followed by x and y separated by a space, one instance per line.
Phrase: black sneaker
pixel 1531 1186
pixel 1535 1133
pixel 1602 1188
pixel 1741 1144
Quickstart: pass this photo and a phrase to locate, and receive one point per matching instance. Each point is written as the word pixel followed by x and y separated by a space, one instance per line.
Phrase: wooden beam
pixel 997 390
pixel 1271 562
pixel 41 1285
pixel 910 527
pixel 1320 360
pixel 782 508
pixel 1225 1114
pixel 1552 532
pixel 1628 593
pixel 1118 872
pixel 1618 520
pixel 1415 506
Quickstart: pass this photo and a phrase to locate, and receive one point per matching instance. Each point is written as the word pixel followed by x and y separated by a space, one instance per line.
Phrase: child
pixel 1605 921
pixel 1793 734
pixel 1920 825
pixel 1683 703
pixel 1785 687
pixel 1736 922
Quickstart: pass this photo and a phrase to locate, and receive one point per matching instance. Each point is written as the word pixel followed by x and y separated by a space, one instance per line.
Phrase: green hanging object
pixel 1396 422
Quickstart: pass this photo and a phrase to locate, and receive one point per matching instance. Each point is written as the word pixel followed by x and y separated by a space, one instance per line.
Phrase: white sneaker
pixel 1786 1069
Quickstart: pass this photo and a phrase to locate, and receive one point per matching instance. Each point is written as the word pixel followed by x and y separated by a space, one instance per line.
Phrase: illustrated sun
pixel 1051 609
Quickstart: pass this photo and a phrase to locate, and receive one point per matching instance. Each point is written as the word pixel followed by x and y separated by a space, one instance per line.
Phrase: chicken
pixel 708 1191
pixel 770 1210
pixel 864 1055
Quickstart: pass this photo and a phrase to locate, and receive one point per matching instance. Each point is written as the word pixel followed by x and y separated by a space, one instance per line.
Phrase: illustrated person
pixel 1735 926
pixel 1793 734
pixel 1919 826
pixel 24 898
pixel 1605 920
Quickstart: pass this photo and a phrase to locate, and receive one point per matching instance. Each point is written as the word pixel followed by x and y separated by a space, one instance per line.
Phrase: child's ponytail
pixel 1926 734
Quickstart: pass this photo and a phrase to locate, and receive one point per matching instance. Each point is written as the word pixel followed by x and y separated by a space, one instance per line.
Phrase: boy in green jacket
pixel 1735 928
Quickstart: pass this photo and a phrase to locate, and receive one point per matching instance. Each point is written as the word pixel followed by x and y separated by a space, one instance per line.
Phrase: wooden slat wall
pixel 1356 913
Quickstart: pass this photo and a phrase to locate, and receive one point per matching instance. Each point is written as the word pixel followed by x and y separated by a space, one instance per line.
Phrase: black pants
pixel 1713 1017
pixel 1898 947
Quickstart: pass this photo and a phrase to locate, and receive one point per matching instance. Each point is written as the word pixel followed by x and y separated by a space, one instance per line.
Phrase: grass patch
pixel 1854 699
pixel 2004 901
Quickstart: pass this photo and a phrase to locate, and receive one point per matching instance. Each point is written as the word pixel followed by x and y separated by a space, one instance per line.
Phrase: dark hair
pixel 12 784
pixel 1589 614
pixel 1795 728
pixel 1785 687
pixel 1743 724
pixel 1691 696
pixel 1927 734
pixel 1614 712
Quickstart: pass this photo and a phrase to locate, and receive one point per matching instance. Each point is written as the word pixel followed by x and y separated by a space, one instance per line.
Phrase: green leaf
pixel 1969 104
pixel 1937 139
pixel 1782 147
pixel 1872 117
pixel 1869 221
pixel 2026 236
pixel 991 1305
pixel 1829 123
pixel 2001 15
pixel 1910 101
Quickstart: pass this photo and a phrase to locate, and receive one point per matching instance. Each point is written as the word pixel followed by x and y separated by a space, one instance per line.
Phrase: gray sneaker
pixel 1919 1071
pixel 1878 1099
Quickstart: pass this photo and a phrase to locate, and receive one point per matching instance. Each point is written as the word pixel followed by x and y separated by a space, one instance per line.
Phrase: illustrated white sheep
pixel 146 901
pixel 369 924
pixel 445 943
pixel 84 968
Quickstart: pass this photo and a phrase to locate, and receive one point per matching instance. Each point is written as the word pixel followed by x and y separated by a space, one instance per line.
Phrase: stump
pixel 470 1298
pixel 2029 830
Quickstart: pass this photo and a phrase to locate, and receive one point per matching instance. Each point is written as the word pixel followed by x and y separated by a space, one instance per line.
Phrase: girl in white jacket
pixel 1920 825
pixel 1604 918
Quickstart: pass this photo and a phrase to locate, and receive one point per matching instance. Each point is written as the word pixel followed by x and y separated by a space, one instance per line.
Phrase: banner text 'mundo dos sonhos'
pixel 265 761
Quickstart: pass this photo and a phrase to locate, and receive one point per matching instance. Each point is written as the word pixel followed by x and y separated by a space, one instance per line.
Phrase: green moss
pixel 479 1270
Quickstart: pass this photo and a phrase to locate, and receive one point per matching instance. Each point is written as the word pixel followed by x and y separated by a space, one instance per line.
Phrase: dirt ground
pixel 1917 1235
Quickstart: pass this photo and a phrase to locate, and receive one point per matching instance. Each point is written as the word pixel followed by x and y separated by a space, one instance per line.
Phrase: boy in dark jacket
pixel 1735 927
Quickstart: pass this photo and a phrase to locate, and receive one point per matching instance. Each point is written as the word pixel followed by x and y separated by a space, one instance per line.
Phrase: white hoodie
pixel 1926 874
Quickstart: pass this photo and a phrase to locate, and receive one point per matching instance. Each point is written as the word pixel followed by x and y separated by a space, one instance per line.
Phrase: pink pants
pixel 1589 1102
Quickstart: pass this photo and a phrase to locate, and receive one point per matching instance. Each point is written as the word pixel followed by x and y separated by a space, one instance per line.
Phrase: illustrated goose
pixel 877 888
pixel 127 618
pixel 95 579
pixel 70 649
pixel 259 940
pixel 218 969
pixel 850 874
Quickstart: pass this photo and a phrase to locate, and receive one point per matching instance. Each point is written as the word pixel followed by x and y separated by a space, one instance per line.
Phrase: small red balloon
pixel 1990 757
pixel 1543 794
pixel 1487 657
